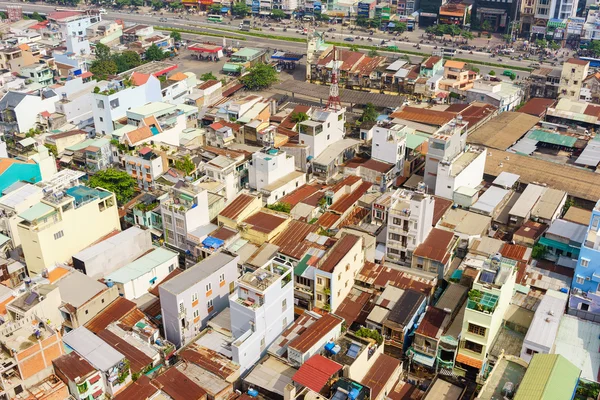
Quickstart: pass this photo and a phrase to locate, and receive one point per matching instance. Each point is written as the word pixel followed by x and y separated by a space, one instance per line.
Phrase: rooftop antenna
pixel 333 103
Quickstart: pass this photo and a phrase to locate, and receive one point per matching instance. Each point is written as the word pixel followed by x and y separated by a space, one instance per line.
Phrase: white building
pixel 503 95
pixel 185 210
pixel 113 103
pixel 20 111
pixel 146 166
pixel 14 203
pixel 544 326
pixel 389 144
pixel 64 223
pixel 136 278
pixel 322 129
pixel 76 99
pixel 273 173
pixel 409 222
pixel 178 87
pixel 224 169
pixel 73 23
pixel 191 298
pixel 464 171
pixel 261 308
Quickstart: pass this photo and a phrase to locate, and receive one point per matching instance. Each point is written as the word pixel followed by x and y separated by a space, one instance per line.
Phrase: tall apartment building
pixel 191 298
pixel 410 219
pixel 322 129
pixel 574 71
pixel 487 303
pixel 273 173
pixel 73 23
pixel 64 223
pixel 261 308
pixel 585 288
pixel 14 203
pixel 185 210
pixel 146 166
pixel 389 144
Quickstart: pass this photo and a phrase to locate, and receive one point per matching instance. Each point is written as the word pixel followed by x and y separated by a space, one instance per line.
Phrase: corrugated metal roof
pixel 316 372
pixel 264 222
pixel 570 230
pixel 316 333
pixel 335 255
pixel 552 138
pixel 115 311
pixel 238 205
pixel 138 361
pixel 380 373
pixel 549 376
pixel 590 156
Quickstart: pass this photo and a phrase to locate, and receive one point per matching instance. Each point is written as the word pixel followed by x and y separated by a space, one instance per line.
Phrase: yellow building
pixel 239 209
pixel 63 223
pixel 574 71
pixel 263 226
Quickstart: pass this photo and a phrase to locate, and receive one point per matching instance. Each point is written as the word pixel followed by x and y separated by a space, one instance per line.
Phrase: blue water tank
pixel 252 392
pixel 353 394
pixel 564 290
pixel 329 346
pixel 110 283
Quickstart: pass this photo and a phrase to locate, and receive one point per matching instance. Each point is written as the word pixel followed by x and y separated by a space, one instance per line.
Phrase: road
pixel 195 22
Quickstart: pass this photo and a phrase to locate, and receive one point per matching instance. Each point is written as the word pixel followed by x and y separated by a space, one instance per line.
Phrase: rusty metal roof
pixel 435 247
pixel 337 252
pixel 177 385
pixel 379 276
pixel 138 361
pixel 378 376
pixel 209 360
pixel 292 241
pixel 114 312
pixel 315 332
pixel 432 323
pixel 424 116
pixel 239 204
pixel 264 222
pixel 349 200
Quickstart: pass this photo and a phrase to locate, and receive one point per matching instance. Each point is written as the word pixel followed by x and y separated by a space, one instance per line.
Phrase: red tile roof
pixel 378 376
pixel 316 372
pixel 287 123
pixel 264 222
pixel 138 79
pixel 59 15
pixel 432 322
pixel 431 61
pixel 85 75
pixel 315 333
pixel 435 247
pixel 537 106
pixel 177 385
pixel 239 204
pixel 339 250
pixel 348 200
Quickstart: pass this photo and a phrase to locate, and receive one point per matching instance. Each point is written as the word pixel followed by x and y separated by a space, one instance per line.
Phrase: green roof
pixel 414 141
pixel 552 138
pixel 81 145
pixel 35 212
pixel 549 377
pixel 3 239
pixel 246 52
pixel 231 67
pixel 302 265
pixel 156 107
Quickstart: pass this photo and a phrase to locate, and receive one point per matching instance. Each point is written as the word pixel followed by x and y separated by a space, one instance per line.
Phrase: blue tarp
pixel 212 242
pixel 224 9
pixel 391 25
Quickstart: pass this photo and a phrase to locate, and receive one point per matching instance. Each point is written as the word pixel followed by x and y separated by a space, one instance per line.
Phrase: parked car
pixel 349 39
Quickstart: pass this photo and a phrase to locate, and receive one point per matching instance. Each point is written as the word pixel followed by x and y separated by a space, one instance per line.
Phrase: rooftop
pixel 138 361
pixel 503 131
pixel 77 289
pixel 73 366
pixel 113 312
pixel 271 374
pixel 577 341
pixel 578 215
pixel 265 222
pixel 545 323
pixel 548 376
pixel 504 371
pixel 95 350
pixel 435 247
pixel 339 250
pixel 143 265
pixel 299 326
pixel 179 386
pixel 197 273
pixel 316 372
pixel 380 373
pixel 315 332
pixel 210 360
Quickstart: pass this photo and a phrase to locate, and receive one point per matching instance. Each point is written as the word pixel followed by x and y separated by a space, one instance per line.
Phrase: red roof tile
pixel 138 79
pixel 431 61
pixel 577 61
pixel 435 247
pixel 315 332
pixel 316 372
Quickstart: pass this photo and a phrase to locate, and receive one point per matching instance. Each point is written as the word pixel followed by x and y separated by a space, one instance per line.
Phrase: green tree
pixel 118 182
pixel 215 9
pixel 474 69
pixel 154 53
pixel 353 47
pixel 3 15
pixel 102 52
pixel 492 73
pixel 259 77
pixel 594 47
pixel 373 53
pixel 137 3
pixel 122 3
pixel 467 35
pixel 185 165
pixel 176 36
pixel 103 68
pixel 554 46
pixel 568 204
pixel 240 9
pixel 538 251
pixel 127 60
pixel 208 76
pixel 400 27
pixel 369 113
pixel 362 21
pixel 37 16
pixel 541 43
pixel 277 14
pixel 52 149
pixel 157 4
pixel 486 26
pixel 299 117
pixel 281 207
pixel 323 17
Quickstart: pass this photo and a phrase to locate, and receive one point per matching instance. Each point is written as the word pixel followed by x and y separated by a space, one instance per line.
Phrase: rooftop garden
pixel 481 301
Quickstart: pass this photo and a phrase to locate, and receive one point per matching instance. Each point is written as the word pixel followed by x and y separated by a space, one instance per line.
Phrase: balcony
pixel 431 351
pixel 482 301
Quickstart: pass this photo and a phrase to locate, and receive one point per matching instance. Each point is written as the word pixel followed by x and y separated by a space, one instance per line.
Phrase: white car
pixel 102 11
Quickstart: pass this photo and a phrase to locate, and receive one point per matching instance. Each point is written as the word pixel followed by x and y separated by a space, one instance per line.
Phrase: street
pixel 231 28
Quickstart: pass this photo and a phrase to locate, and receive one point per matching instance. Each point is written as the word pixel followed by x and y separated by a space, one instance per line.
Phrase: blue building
pixel 585 294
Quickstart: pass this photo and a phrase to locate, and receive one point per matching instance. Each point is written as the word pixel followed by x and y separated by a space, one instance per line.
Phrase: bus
pixel 215 18
pixel 448 52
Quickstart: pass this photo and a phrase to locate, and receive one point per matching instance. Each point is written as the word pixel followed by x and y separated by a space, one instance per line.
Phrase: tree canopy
pixel 102 52
pixel 369 113
pixel 594 47
pixel 259 77
pixel 208 76
pixel 215 9
pixel 176 36
pixel 185 165
pixel 278 14
pixel 118 182
pixel 240 9
pixel 103 68
pixel 154 53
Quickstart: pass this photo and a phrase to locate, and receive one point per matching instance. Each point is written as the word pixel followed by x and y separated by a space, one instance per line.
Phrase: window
pixel 585 262
pixel 319 297
pixel 179 223
pixel 221 278
pixel 209 305
pixel 181 308
pixel 395 236
pixel 319 281
pixel 284 323
pixel 476 329
pixel 168 219
pixel 531 352
pixel 474 347
pixel 284 305
pixel 171 267
pixel 208 287
pixel 194 297
pixel 196 313
pixel 58 235
pixel 340 276
pixel 580 280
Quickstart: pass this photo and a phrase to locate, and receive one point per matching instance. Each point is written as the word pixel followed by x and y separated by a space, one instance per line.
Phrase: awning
pixel 470 361
pixel 66 159
pixel 224 9
pixel 212 242
pixel 422 359
pixel 391 25
pixel 229 67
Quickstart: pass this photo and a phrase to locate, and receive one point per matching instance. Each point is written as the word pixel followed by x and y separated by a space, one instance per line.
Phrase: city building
pixel 273 173
pixel 584 289
pixel 12 204
pixel 503 95
pixel 185 210
pixel 310 342
pixel 51 231
pixel 545 82
pixel 549 376
pixel 435 253
pixel 20 111
pixel 82 379
pixel 324 128
pixel 73 23
pixel 574 71
pixel 199 293
pixel 146 166
pixel 262 307
pixel 389 144
pixel 410 220
pixel 488 301
pixel 457 78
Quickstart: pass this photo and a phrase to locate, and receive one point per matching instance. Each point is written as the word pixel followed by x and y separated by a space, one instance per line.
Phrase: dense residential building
pixel 272 172
pixel 574 72
pixel 52 231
